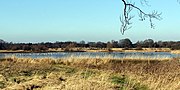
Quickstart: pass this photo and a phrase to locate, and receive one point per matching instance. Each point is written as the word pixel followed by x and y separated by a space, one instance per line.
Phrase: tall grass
pixel 90 73
pixel 107 59
pixel 175 51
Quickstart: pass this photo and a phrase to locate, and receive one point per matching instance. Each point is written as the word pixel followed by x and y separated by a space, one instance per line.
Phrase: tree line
pixel 123 43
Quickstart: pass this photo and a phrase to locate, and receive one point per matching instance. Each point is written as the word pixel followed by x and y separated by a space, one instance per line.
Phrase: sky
pixel 89 20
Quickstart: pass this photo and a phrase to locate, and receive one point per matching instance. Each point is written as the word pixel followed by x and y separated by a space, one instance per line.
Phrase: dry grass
pixel 12 51
pixel 107 59
pixel 52 74
pixel 130 50
pixel 157 74
pixel 175 51
pixel 96 50
pixel 86 73
pixel 157 49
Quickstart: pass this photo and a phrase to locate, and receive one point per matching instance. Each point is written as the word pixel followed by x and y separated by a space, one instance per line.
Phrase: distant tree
pixel 109 46
pixel 160 43
pixel 114 44
pixel 126 43
pixel 2 46
pixel 92 44
pixel 42 47
pixel 139 45
pixel 100 45
pixel 35 48
pixel 2 41
pixel 26 48
pixel 148 43
pixel 70 47
pixel 156 45
pixel 82 42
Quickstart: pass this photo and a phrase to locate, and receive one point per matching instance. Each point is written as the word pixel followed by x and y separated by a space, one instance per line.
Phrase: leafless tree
pixel 126 17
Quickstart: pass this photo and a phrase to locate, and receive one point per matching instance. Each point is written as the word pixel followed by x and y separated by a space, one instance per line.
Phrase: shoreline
pixel 97 50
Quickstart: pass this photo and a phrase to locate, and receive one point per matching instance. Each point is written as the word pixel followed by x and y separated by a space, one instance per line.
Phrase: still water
pixel 92 54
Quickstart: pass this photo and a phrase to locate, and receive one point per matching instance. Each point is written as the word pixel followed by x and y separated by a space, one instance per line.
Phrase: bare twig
pixel 144 2
pixel 178 1
pixel 125 18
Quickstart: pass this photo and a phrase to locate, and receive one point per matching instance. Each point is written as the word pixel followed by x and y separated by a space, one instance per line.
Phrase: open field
pixel 84 73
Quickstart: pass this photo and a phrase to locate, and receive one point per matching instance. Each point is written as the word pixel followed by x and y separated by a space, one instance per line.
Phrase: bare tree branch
pixel 144 2
pixel 178 1
pixel 126 17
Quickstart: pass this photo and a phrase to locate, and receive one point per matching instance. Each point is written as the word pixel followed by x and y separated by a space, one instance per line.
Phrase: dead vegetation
pixel 175 51
pixel 80 73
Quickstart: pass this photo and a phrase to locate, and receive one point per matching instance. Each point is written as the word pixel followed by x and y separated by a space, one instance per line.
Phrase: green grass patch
pixel 70 70
pixel 123 83
pixel 87 73
pixel 2 85
pixel 138 86
pixel 118 79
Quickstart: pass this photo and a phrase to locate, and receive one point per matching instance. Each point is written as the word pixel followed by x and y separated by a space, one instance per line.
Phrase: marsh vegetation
pixel 84 73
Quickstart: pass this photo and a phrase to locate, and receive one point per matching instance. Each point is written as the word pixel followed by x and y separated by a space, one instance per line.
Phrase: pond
pixel 92 54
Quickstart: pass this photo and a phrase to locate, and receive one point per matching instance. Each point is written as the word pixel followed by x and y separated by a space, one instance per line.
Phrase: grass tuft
pixel 87 73
pixel 119 79
pixel 2 85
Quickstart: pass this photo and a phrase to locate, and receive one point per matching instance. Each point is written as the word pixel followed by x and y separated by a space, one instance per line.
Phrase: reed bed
pixel 175 51
pixel 109 58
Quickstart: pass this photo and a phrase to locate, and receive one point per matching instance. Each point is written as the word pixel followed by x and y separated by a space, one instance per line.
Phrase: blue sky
pixel 89 20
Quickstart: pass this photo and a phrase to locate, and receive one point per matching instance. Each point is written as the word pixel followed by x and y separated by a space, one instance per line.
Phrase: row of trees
pixel 123 43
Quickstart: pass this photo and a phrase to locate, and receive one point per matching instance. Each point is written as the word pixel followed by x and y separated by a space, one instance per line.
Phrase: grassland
pixel 85 73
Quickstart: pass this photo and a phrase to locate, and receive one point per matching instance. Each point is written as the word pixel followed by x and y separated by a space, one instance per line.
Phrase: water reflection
pixel 92 54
